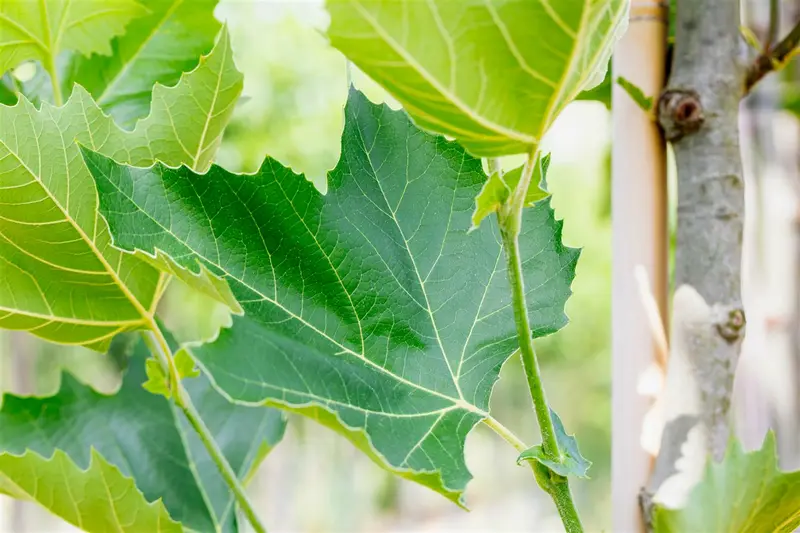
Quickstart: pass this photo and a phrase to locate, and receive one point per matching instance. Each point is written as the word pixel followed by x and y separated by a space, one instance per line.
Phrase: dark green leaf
pixel 369 308
pixel 143 436
pixel 571 463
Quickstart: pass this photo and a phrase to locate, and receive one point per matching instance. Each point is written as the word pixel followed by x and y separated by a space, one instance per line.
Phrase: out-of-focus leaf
pixel 746 492
pixel 156 48
pixel 42 30
pixel 637 95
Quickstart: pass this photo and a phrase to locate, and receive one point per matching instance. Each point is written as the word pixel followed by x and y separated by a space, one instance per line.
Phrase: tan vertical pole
pixel 639 204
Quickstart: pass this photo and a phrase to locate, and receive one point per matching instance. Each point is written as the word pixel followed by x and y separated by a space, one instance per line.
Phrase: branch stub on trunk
pixel 680 112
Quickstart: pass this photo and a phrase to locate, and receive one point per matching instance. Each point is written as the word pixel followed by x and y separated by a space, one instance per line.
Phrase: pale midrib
pixel 210 113
pixel 146 317
pixel 414 262
pixel 555 103
pixel 132 59
pixel 462 106
pixel 477 314
pixel 459 402
pixel 11 22
pixel 68 487
pixel 321 400
pixel 110 500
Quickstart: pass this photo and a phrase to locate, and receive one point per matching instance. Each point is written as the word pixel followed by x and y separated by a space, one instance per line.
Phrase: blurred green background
pixel 295 88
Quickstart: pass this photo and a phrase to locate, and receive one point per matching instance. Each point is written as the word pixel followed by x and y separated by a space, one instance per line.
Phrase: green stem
pixel 50 66
pixel 160 349
pixel 557 486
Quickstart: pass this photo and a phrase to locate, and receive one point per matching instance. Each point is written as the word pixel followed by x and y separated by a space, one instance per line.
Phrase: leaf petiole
pixel 510 221
pixel 159 347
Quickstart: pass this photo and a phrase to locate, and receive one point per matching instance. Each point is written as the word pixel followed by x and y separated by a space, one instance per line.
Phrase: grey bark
pixel 699 114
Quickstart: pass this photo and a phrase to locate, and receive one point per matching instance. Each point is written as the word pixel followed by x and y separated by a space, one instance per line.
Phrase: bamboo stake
pixel 639 200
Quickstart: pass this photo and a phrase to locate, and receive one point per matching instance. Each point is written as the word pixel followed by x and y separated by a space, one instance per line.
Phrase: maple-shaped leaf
pixel 369 309
pixel 155 49
pixel 493 75
pixel 745 493
pixel 60 277
pixel 42 30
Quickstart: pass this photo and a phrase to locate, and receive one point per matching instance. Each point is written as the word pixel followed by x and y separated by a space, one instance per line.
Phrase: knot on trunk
pixel 731 325
pixel 680 113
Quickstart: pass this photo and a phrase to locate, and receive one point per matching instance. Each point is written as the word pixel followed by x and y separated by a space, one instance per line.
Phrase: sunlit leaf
pixel 493 75
pixel 42 30
pixel 156 48
pixel 746 492
pixel 130 437
pixel 96 498
pixel 370 308
pixel 60 277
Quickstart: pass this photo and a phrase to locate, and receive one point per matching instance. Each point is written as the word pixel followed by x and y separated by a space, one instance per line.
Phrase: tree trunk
pixel 699 113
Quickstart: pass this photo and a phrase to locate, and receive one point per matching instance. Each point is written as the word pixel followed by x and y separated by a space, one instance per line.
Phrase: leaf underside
pixel 126 438
pixel 369 309
pixel 746 492
pixel 60 277
pixel 42 30
pixel 493 75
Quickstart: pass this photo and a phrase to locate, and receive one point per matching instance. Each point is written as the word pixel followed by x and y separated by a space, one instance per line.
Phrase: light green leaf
pixel 42 30
pixel 571 463
pixel 130 435
pixel 60 277
pixel 637 94
pixel 746 492
pixel 499 186
pixel 157 380
pixel 493 75
pixel 98 498
pixel 600 92
pixel 186 366
pixel 369 308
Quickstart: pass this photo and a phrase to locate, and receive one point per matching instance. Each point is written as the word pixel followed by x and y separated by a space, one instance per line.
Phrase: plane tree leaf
pixel 370 308
pixel 97 498
pixel 493 75
pixel 745 492
pixel 156 48
pixel 103 462
pixel 42 30
pixel 60 277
